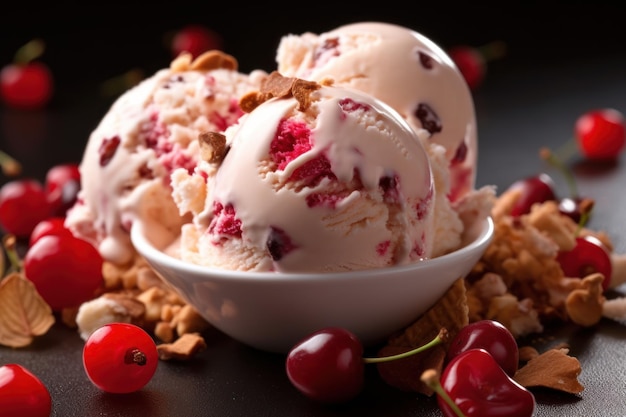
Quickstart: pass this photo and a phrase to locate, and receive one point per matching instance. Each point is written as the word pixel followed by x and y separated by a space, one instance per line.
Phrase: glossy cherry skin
pixel 22 394
pixel 120 358
pixel 601 134
pixel 481 388
pixel 588 256
pixel 23 204
pixel 536 189
pixel 327 366
pixel 67 271
pixel 61 186
pixel 26 86
pixel 492 336
pixel 49 226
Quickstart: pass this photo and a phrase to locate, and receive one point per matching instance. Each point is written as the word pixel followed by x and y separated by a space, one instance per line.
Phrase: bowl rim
pixel 153 255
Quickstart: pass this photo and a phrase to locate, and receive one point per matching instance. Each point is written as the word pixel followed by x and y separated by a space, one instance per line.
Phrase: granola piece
pixel 109 308
pixel 584 305
pixel 184 348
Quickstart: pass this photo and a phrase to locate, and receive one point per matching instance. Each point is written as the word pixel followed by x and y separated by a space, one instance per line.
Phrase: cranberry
pixel 470 63
pixel 23 204
pixel 120 358
pixel 492 336
pixel 601 134
pixel 66 270
pixel 22 393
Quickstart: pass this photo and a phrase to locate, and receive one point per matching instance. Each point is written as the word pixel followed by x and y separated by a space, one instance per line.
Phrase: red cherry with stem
pixel 588 256
pixel 328 366
pixel 62 185
pixel 492 336
pixel 195 39
pixel 66 270
pixel 120 358
pixel 601 134
pixel 27 84
pixel 480 388
pixel 535 189
pixel 23 204
pixel 22 393
pixel 472 61
pixel 50 226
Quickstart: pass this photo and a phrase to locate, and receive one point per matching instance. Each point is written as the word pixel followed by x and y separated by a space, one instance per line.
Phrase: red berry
pixel 327 366
pixel 492 336
pixel 588 256
pixel 62 186
pixel 23 204
pixel 26 86
pixel 481 388
pixel 601 134
pixel 532 190
pixel 470 63
pixel 50 226
pixel 22 393
pixel 195 39
pixel 120 358
pixel 66 270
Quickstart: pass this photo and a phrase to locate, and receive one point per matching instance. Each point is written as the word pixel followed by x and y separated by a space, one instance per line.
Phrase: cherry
pixel 588 256
pixel 66 270
pixel 601 134
pixel 23 204
pixel 195 39
pixel 61 186
pixel 327 366
pixel 472 61
pixel 492 336
pixel 50 226
pixel 534 189
pixel 27 84
pixel 120 358
pixel 480 387
pixel 22 393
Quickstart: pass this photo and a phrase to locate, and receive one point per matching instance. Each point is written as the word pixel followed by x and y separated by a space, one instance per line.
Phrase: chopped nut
pixel 276 85
pixel 164 331
pixel 188 320
pixel 527 353
pixel 183 348
pixel 552 369
pixel 584 305
pixel 212 146
pixel 214 59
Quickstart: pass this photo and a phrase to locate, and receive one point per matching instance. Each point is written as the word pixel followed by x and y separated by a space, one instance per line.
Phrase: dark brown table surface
pixel 531 99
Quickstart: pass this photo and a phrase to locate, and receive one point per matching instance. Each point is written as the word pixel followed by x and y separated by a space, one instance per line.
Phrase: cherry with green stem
pixel 328 366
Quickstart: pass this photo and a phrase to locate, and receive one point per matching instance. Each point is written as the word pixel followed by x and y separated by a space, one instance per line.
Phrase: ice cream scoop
pixel 149 131
pixel 322 179
pixel 404 69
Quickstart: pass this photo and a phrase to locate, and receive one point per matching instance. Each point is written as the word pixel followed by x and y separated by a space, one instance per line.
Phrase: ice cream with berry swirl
pixel 149 131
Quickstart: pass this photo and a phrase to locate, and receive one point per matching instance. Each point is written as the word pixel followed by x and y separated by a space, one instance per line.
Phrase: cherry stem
pixel 10 166
pixel 431 378
pixel 116 85
pixel 135 356
pixel 553 160
pixel 440 338
pixel 29 51
pixel 492 50
pixel 9 243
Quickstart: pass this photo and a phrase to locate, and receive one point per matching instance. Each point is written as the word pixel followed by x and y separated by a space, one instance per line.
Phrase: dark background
pixel 562 60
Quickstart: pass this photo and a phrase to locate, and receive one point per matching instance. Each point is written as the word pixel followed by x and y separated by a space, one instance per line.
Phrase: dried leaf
pixel 23 312
pixel 552 369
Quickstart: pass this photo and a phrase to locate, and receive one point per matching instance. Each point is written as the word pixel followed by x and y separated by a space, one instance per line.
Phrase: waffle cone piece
pixel 451 313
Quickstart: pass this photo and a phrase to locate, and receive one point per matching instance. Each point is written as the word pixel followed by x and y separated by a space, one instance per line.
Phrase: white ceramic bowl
pixel 272 311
